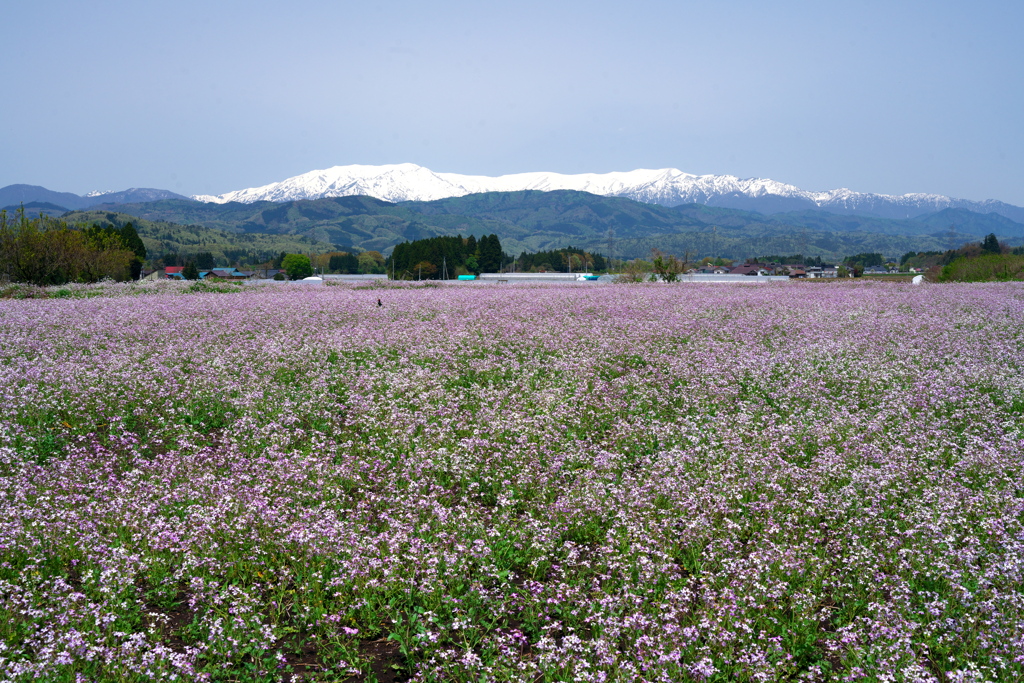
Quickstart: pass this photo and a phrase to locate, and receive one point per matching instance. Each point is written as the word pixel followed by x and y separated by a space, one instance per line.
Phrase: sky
pixel 208 97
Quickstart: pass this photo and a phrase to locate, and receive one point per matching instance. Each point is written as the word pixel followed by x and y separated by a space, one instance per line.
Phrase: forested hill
pixel 533 221
pixel 163 238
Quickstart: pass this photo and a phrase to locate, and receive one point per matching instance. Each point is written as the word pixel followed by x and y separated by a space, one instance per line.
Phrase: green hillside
pixel 162 238
pixel 984 268
pixel 535 221
pixel 974 223
pixel 34 209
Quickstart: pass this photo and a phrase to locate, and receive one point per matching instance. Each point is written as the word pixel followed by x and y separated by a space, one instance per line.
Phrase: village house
pixel 230 274
pixel 820 271
pixel 750 269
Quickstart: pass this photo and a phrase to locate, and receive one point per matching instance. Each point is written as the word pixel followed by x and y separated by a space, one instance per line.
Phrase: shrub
pixel 987 267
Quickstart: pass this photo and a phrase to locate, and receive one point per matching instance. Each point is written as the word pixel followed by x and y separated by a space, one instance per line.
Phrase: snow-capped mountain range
pixel 667 186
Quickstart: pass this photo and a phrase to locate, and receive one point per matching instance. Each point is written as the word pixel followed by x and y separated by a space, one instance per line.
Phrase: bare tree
pixel 636 270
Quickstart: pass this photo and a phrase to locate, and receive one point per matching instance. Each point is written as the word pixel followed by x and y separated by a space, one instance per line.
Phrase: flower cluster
pixel 794 481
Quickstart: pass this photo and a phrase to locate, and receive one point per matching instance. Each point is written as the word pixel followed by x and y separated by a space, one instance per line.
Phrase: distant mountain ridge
pixel 15 195
pixel 667 187
pixel 532 220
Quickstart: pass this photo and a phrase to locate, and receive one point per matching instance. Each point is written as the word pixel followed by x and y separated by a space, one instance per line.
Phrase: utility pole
pixel 611 247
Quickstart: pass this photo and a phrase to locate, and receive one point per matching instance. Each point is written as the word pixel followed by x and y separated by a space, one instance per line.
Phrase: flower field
pixel 529 483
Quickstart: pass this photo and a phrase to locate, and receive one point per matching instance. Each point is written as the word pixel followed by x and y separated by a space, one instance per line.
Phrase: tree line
pixel 435 258
pixel 989 260
pixel 340 262
pixel 792 258
pixel 560 260
pixel 48 251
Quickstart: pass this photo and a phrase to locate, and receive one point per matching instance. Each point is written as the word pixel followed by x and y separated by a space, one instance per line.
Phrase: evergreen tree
pixel 489 254
pixel 991 244
pixel 446 253
pixel 557 260
pixel 190 272
pixel 205 261
pixel 127 238
pixel 346 264
pixel 130 238
pixel 864 260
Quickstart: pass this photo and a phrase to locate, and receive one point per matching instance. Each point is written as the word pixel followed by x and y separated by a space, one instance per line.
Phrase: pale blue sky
pixel 208 97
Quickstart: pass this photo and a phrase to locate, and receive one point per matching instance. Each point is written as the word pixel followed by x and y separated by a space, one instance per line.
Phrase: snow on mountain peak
pixel 666 186
pixel 409 182
pixel 392 182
